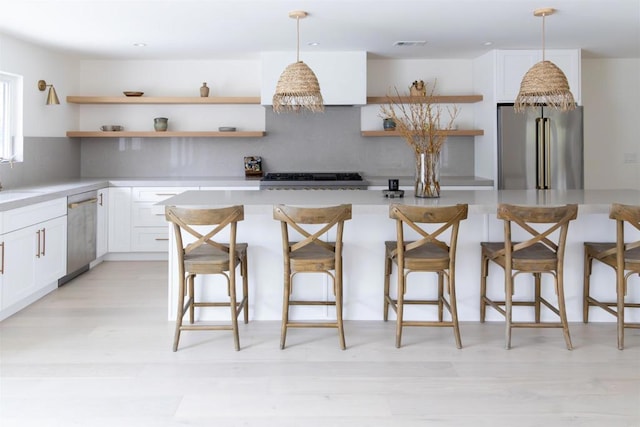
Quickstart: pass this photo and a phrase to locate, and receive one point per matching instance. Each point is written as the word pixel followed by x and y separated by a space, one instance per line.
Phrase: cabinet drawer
pixel 16 219
pixel 150 239
pixel 148 214
pixel 157 194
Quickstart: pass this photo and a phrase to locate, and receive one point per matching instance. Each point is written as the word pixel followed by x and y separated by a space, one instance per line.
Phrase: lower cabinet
pixel 34 253
pixel 102 221
pixel 136 224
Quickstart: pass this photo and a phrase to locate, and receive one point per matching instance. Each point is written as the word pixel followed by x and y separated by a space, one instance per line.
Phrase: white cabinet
pixel 119 223
pixel 34 253
pixel 135 223
pixel 511 66
pixel 102 221
pixel 52 262
pixel 149 232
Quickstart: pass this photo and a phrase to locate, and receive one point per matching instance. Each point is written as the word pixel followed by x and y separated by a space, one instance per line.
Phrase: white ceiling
pixel 235 29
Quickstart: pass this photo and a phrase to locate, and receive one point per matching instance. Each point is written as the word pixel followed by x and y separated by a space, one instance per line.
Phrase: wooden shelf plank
pixel 438 99
pixel 457 132
pixel 168 134
pixel 163 100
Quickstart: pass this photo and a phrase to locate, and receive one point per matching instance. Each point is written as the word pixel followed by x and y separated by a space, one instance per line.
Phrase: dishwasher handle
pixel 82 203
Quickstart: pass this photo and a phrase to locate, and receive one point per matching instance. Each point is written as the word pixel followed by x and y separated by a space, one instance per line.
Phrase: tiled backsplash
pixel 294 142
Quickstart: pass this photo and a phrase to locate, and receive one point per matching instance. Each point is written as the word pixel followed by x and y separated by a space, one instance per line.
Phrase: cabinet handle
pixel 38 248
pixel 44 241
pixel 84 202
pixel 166 194
pixel 159 239
pixel 2 265
pixel 100 202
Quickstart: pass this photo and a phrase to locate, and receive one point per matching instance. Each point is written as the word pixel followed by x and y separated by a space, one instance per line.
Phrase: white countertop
pixel 480 201
pixel 245 192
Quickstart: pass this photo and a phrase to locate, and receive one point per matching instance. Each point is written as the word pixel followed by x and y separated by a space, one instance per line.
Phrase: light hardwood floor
pixel 97 352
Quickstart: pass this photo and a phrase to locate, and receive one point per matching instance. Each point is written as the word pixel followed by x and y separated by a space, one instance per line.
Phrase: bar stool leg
pixel 440 295
pixel 245 287
pixel 484 269
pixel 234 311
pixel 508 308
pixel 620 282
pixel 454 308
pixel 387 278
pixel 537 280
pixel 192 300
pixel 285 308
pixel 563 311
pixel 179 312
pixel 586 286
pixel 400 308
pixel 338 287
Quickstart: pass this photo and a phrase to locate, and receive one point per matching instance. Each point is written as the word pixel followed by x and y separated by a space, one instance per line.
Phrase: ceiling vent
pixel 410 43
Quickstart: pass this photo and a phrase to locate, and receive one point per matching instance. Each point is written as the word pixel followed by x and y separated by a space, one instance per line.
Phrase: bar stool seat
pixel 624 258
pixel 433 252
pixel 199 254
pixel 542 252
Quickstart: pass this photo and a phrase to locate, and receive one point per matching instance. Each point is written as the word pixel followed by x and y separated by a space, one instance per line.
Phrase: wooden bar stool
pixel 624 258
pixel 541 253
pixel 207 256
pixel 312 255
pixel 429 254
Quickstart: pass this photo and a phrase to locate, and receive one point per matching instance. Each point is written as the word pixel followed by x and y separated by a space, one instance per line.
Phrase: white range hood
pixel 342 75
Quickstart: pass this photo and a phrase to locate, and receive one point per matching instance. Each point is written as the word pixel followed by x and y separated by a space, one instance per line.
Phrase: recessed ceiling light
pixel 139 44
pixel 313 44
pixel 488 43
pixel 410 43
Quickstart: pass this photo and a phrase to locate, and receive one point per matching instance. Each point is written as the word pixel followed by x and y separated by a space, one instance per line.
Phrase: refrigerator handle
pixel 540 155
pixel 547 152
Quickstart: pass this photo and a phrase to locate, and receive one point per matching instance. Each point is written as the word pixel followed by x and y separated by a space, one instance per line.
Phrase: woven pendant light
pixel 544 83
pixel 298 88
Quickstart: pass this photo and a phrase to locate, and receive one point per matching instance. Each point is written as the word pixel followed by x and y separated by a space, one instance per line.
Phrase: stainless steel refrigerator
pixel 541 148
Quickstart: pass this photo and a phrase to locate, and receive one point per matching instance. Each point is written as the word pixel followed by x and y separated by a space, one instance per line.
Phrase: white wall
pixel 611 94
pixel 37 63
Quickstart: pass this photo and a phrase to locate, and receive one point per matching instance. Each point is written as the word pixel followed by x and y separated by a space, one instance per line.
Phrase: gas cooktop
pixel 313 180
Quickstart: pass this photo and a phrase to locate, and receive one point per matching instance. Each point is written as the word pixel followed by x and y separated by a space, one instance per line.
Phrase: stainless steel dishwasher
pixel 81 233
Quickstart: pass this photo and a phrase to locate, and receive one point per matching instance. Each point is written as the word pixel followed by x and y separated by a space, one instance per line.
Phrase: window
pixel 10 118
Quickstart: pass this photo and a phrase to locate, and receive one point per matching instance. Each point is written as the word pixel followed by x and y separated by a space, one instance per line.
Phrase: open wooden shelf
pixel 163 100
pixel 167 134
pixel 457 132
pixel 438 99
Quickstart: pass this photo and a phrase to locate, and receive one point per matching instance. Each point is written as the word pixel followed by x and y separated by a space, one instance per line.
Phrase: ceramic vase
pixel 160 124
pixel 204 90
pixel 427 183
pixel 388 124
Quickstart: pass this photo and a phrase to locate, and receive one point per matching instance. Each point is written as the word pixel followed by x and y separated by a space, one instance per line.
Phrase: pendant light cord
pixel 298 37
pixel 543 17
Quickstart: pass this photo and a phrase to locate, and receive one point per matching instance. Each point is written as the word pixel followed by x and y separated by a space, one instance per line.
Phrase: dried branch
pixel 419 122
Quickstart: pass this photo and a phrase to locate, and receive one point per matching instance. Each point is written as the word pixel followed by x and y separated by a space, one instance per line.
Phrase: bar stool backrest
pixel 621 214
pixel 558 218
pixel 291 216
pixel 185 219
pixel 448 216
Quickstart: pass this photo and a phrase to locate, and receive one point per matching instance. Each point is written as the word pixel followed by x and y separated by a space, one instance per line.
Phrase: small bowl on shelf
pixel 132 93
pixel 226 129
pixel 111 128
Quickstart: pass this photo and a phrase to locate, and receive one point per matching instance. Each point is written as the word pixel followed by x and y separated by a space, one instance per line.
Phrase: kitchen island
pixel 364 250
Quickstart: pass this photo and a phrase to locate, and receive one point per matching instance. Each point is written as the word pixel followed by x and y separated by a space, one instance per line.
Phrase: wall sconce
pixel 52 96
